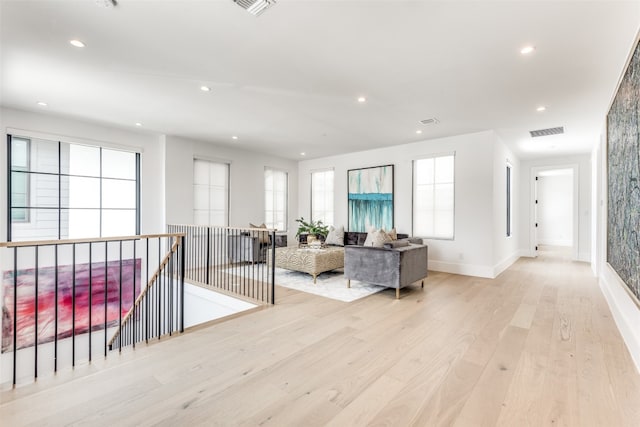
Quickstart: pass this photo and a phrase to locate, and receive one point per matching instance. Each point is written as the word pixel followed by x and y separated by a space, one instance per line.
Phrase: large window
pixel 322 196
pixel 509 205
pixel 59 190
pixel 20 181
pixel 275 200
pixel 433 197
pixel 210 193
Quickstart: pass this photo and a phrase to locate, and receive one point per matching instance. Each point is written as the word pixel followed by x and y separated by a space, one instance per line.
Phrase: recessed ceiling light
pixel 303 154
pixel 42 104
pixel 76 43
pixel 234 137
pixel 138 124
pixel 362 99
pixel 527 50
pixel 205 88
pixel 541 108
pixel 418 131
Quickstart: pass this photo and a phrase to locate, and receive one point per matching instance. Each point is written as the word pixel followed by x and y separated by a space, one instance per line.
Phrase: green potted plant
pixel 316 229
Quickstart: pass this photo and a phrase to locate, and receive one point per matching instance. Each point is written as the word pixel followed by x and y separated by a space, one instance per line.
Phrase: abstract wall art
pixel 623 173
pixel 105 293
pixel 370 198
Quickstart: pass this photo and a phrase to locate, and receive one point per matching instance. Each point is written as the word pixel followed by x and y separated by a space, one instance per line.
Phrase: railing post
pixel 120 303
pixel 273 267
pixel 182 259
pixel 133 298
pixel 35 313
pixel 106 293
pixel 208 259
pixel 90 297
pixel 73 307
pixel 15 312
pixel 146 311
pixel 55 320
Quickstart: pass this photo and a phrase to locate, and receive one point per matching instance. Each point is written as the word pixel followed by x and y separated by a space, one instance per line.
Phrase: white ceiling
pixel 287 81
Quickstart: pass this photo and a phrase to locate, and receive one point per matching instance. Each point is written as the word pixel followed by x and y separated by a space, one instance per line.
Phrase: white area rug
pixel 330 284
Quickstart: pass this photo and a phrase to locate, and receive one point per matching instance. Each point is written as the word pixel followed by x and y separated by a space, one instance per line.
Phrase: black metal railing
pixel 64 298
pixel 159 308
pixel 231 260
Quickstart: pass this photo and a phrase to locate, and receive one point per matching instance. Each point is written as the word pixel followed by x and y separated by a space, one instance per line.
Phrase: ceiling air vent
pixel 255 7
pixel 431 121
pixel 546 132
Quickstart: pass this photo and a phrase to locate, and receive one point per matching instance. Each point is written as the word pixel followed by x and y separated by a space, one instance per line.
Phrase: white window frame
pixel 327 194
pixel 414 188
pixel 212 205
pixel 270 216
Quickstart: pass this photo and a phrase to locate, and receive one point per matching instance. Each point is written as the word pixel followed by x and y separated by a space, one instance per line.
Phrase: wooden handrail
pixel 91 240
pixel 225 228
pixel 152 280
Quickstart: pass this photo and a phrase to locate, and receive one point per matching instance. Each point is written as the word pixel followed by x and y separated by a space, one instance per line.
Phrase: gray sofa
pixel 394 267
pixel 251 246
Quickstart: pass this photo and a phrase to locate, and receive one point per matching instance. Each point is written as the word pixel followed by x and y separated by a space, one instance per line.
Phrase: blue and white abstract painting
pixel 371 198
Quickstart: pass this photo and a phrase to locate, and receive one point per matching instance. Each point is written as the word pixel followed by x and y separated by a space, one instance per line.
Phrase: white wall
pixel 505 249
pixel 472 250
pixel 246 181
pixel 555 210
pixel 582 201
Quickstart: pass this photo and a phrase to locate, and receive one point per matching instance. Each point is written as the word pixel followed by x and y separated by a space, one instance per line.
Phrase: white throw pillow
pixel 376 238
pixel 392 233
pixel 335 236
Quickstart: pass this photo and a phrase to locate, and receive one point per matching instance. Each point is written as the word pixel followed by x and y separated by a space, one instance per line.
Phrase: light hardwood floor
pixel 536 346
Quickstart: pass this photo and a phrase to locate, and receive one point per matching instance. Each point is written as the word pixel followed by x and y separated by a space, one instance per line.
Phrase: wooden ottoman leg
pixel 397 293
pixel 314 278
pixel 422 283
pixel 348 283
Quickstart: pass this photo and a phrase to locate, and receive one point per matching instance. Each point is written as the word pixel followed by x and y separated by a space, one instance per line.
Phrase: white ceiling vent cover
pixel 431 121
pixel 547 132
pixel 255 7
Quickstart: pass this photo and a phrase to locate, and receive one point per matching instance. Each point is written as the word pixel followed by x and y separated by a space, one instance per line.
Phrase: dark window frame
pixel 60 175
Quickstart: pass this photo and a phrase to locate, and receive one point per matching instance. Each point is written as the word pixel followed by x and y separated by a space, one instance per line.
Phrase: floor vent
pixel 546 132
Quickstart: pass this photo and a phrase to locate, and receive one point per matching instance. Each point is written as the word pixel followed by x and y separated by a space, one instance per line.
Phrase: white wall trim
pixel 552 242
pixel 526 253
pixel 463 269
pixel 584 257
pixel 505 263
pixel 624 310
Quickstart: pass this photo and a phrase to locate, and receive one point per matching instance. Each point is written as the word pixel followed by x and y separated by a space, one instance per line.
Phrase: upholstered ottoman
pixel 310 261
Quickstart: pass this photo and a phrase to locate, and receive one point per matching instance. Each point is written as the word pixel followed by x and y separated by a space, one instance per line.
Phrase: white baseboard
pixel 505 263
pixel 552 242
pixel 464 269
pixel 584 257
pixel 526 253
pixel 625 312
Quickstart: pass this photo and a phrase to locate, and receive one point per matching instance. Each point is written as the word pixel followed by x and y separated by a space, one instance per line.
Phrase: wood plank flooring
pixel 536 346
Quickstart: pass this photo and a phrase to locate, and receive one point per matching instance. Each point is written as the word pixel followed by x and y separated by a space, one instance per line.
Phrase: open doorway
pixel 555 221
